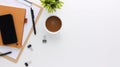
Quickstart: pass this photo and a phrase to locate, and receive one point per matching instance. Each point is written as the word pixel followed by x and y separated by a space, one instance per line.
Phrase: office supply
pixel 4 54
pixel 8 29
pixel 33 21
pixel 30 47
pixel 27 63
pixel 44 39
pixel 25 2
pixel 29 4
pixel 16 53
pixel 18 18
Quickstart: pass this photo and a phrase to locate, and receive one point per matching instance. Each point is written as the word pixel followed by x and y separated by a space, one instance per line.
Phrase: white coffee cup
pixel 53 24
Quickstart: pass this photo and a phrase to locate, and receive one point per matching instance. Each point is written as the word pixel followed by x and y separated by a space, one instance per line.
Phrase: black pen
pixel 32 15
pixel 28 1
pixel 4 54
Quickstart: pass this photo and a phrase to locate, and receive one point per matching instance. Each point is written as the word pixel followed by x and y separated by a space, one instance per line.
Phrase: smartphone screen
pixel 7 29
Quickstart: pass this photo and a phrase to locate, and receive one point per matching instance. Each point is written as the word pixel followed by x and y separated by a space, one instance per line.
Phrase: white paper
pixel 27 26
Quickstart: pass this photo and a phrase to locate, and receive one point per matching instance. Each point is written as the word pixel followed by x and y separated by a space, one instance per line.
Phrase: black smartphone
pixel 7 29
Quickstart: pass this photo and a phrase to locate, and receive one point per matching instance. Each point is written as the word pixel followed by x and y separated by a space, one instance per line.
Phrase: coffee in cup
pixel 53 24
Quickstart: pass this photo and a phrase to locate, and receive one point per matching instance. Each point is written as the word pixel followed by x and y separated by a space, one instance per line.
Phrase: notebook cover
pixel 18 17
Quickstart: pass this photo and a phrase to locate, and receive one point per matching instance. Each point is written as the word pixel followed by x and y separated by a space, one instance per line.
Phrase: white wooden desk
pixel 90 37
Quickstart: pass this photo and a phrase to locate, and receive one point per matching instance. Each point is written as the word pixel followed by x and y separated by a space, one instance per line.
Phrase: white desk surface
pixel 90 37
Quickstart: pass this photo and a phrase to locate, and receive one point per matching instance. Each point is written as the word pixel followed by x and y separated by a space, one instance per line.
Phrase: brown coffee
pixel 53 24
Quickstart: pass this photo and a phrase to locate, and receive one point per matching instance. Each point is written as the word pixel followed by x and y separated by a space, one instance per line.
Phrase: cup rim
pixel 51 31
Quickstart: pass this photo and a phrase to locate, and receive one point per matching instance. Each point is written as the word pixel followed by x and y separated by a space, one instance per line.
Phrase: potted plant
pixel 53 23
pixel 52 5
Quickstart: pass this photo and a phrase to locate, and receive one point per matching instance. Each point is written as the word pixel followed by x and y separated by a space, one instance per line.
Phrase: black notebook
pixel 7 29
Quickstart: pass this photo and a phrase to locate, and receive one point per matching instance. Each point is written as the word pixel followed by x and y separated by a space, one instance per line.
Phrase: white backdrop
pixel 90 37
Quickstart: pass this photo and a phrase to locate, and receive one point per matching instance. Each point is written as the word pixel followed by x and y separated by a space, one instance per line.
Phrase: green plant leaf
pixel 52 5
